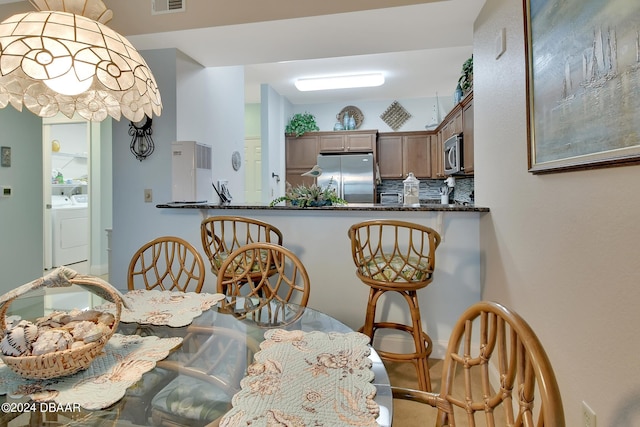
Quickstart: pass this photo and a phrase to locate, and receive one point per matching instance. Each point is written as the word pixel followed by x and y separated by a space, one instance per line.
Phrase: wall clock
pixel 236 160
pixel 141 143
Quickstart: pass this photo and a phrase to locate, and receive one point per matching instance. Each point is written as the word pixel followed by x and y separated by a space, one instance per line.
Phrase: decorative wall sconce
pixel 141 142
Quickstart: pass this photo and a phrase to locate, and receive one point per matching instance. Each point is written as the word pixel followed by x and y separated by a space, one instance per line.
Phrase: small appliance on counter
pixel 390 198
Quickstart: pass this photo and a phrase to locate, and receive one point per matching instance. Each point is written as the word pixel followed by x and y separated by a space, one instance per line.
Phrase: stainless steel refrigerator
pixel 352 175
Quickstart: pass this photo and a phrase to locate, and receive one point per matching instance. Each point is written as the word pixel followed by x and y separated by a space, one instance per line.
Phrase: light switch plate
pixel 6 191
pixel 148 195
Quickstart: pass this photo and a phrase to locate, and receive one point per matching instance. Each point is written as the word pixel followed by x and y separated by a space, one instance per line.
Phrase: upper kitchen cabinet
pixel 360 141
pixel 402 152
pixel 467 134
pixel 452 124
pixel 301 155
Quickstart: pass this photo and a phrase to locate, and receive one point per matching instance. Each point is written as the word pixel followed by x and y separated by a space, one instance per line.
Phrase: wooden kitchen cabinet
pixel 402 152
pixel 437 156
pixel 390 156
pixel 301 155
pixel 347 141
pixel 467 134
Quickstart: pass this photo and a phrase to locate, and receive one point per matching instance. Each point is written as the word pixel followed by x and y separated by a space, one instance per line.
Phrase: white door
pixel 253 170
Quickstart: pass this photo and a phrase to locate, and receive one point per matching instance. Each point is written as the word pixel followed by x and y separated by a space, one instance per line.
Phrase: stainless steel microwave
pixel 453 155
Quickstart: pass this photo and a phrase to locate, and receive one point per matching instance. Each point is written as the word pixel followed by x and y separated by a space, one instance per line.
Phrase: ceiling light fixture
pixel 69 61
pixel 340 82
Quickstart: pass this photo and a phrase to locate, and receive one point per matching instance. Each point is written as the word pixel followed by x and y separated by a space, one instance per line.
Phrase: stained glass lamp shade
pixel 62 61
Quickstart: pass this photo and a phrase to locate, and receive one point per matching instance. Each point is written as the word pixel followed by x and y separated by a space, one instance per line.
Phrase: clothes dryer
pixel 70 230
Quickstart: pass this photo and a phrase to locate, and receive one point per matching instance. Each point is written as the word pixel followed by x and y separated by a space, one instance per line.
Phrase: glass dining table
pixel 194 384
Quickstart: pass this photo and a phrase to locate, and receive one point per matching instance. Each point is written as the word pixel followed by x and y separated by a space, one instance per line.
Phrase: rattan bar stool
pixel 222 235
pixel 396 256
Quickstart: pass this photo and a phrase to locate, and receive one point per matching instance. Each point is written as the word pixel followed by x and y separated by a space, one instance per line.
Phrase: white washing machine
pixel 69 229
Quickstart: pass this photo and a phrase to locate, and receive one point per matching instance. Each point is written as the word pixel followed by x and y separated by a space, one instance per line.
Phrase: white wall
pixel 274 110
pixel 134 221
pixel 198 104
pixel 560 249
pixel 211 110
pixel 21 232
pixel 423 112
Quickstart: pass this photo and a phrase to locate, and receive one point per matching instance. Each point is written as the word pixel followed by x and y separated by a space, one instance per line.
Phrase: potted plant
pixel 301 123
pixel 310 196
pixel 466 78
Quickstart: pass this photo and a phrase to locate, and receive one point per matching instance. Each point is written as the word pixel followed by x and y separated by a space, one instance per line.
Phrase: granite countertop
pixel 348 207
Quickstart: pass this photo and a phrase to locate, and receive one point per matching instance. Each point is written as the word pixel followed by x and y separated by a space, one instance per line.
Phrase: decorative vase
pixel 352 123
pixel 345 121
pixel 338 126
pixel 457 97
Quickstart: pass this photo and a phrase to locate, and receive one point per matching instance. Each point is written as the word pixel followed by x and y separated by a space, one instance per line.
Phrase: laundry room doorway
pixel 72 200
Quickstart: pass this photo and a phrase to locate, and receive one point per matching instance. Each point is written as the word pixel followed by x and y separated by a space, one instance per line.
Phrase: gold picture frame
pixel 583 77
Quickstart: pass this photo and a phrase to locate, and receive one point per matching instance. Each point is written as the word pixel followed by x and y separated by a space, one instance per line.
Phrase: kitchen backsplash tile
pixel 430 189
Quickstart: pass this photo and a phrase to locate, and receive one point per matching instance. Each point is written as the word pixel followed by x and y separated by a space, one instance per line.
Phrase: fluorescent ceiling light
pixel 340 82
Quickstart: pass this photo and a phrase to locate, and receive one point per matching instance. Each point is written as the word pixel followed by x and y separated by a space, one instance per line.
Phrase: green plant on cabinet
pixel 466 78
pixel 301 123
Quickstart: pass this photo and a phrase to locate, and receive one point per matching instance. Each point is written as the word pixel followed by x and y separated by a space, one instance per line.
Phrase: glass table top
pixel 195 383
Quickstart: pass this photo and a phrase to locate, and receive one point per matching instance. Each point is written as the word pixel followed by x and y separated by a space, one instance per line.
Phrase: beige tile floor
pixel 411 414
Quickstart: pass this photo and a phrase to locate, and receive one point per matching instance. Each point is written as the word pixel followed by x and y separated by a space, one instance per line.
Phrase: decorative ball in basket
pixel 62 343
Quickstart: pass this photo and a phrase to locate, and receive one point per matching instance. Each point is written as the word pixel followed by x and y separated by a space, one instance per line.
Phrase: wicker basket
pixel 65 362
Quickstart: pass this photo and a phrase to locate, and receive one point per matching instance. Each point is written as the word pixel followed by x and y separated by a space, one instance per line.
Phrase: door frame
pixel 46 187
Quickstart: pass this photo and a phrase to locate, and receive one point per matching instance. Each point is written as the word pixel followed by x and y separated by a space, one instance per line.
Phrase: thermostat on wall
pixel 6 191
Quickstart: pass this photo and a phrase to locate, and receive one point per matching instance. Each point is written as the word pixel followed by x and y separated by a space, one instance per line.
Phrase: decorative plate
pixel 353 112
pixel 236 160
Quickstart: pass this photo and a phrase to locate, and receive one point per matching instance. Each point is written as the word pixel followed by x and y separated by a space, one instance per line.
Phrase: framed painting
pixel 583 83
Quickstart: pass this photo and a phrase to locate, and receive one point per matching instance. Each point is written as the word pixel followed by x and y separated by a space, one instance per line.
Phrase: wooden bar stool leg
pixel 422 342
pixel 369 322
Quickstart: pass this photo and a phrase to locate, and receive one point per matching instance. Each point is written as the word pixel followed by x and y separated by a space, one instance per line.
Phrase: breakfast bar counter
pixel 424 207
pixel 318 236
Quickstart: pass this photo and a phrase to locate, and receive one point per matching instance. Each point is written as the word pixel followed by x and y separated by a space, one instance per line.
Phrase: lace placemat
pixel 169 308
pixel 104 382
pixel 307 379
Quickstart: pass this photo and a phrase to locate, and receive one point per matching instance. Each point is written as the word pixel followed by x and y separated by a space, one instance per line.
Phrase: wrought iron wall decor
pixel 141 141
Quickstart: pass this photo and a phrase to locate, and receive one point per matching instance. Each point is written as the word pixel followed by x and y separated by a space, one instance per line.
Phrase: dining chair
pixel 396 256
pixel 221 235
pixel 167 263
pixel 267 277
pixel 495 373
